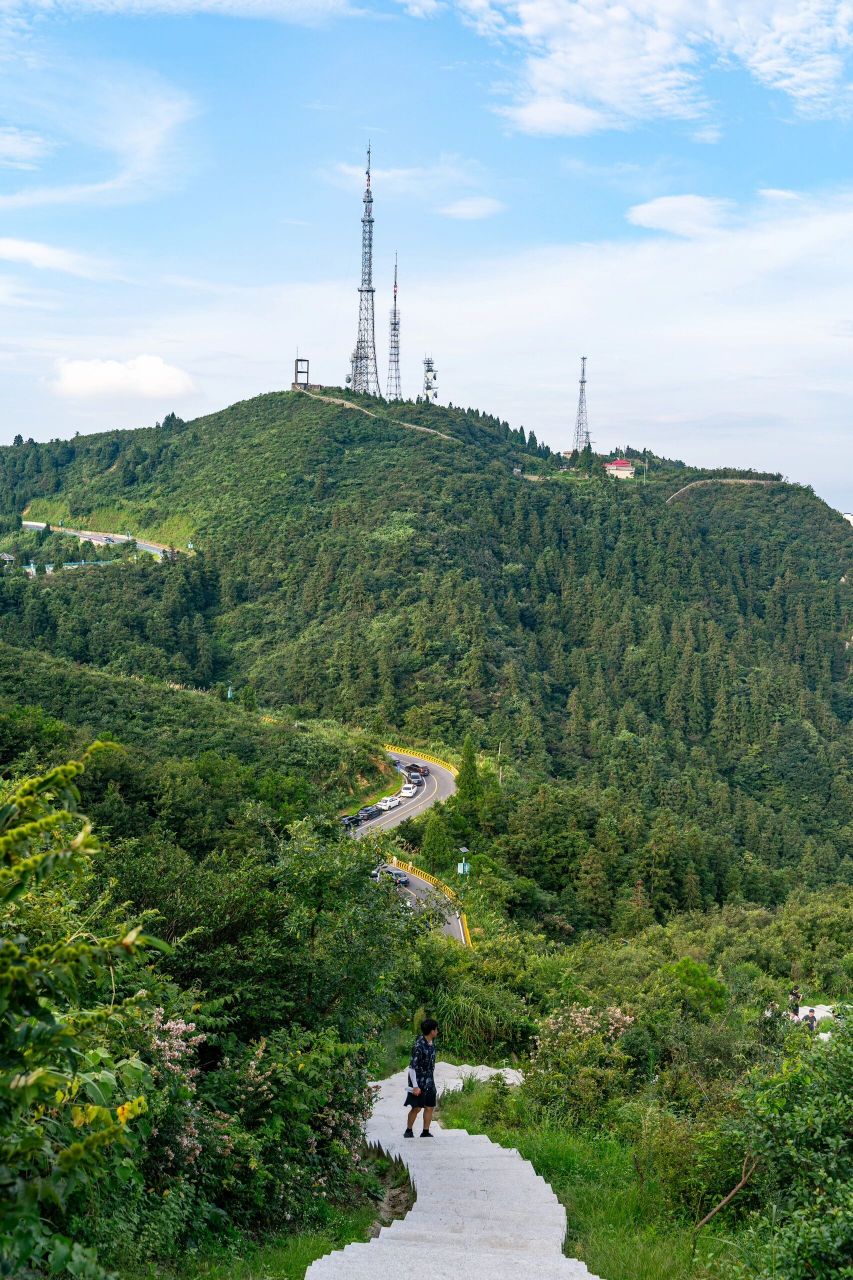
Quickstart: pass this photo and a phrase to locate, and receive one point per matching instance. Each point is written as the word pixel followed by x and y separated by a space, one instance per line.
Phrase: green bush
pixel 67 1099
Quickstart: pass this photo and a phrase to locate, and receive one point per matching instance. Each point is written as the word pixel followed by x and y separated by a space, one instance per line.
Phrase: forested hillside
pixel 652 707
pixel 682 663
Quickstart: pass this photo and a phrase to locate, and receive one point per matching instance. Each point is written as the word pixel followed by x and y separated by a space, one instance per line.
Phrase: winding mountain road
pixel 439 785
pixel 100 539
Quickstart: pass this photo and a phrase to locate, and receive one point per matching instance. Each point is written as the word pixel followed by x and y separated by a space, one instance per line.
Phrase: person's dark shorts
pixel 426 1097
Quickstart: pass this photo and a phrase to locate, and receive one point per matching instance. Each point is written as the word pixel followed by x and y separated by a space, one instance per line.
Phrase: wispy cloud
pixel 689 216
pixel 134 120
pixel 302 12
pixel 611 64
pixel 46 257
pixel 473 208
pixel 446 174
pixel 143 376
pixel 20 149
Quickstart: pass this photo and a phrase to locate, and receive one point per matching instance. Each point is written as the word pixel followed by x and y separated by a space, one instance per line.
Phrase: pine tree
pixel 437 845
pixel 468 786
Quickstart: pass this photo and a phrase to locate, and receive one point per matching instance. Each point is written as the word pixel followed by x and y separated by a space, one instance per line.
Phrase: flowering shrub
pixel 577 1065
pixel 278 1116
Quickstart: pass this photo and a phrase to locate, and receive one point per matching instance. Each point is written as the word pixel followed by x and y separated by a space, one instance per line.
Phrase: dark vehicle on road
pixel 349 821
pixel 369 811
pixel 399 877
pixel 422 769
pixel 412 775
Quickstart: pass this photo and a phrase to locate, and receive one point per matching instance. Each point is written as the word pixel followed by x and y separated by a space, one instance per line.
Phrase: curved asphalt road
pixel 99 539
pixel 439 785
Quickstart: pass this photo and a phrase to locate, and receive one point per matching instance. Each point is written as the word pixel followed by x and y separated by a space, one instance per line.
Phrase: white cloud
pixel 447 173
pixel 778 193
pixel 689 216
pixel 134 120
pixel 20 149
pixel 304 12
pixel 471 208
pixel 596 64
pixel 145 376
pixel 46 257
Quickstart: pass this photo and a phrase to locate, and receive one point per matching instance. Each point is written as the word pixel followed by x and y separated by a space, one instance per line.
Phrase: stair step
pixel 481 1209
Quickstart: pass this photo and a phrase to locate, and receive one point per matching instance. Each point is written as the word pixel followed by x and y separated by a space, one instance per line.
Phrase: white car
pixel 408 790
pixel 390 802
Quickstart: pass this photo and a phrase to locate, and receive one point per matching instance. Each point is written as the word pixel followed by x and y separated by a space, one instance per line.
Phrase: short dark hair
pixel 428 1025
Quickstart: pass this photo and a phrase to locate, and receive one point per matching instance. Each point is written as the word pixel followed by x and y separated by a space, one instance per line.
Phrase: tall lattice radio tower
pixel 393 390
pixel 582 439
pixel 364 376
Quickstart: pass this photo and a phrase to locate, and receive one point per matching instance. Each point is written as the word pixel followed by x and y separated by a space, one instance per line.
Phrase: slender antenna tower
pixel 582 426
pixel 364 376
pixel 393 390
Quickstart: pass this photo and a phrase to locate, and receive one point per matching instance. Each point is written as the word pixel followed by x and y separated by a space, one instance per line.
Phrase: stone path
pixel 481 1211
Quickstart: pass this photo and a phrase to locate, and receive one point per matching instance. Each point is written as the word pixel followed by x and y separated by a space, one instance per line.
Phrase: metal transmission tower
pixel 393 390
pixel 582 426
pixel 364 376
pixel 430 379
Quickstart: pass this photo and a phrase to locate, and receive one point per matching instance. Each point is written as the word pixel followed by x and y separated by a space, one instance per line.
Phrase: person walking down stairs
pixel 421 1079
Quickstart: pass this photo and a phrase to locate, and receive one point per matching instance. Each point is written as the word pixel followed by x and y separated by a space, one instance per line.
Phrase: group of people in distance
pixel 808 1019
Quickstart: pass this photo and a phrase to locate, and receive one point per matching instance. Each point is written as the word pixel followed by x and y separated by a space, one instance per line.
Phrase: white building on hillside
pixel 621 468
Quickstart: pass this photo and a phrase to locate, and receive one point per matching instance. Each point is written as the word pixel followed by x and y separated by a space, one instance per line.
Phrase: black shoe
pixel 408 1134
pixel 426 1134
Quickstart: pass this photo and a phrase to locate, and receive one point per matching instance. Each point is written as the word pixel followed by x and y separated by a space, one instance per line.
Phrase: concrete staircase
pixel 481 1211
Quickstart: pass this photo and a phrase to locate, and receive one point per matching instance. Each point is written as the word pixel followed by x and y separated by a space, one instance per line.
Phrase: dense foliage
pixel 145 1107
pixel 651 705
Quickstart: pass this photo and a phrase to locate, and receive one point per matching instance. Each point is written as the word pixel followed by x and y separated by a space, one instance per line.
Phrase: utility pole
pixel 582 425
pixel 393 388
pixel 364 377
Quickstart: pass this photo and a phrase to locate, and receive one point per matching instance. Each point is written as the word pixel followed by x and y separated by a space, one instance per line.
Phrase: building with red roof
pixel 621 468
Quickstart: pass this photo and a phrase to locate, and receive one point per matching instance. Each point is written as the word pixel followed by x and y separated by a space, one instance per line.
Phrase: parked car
pixel 422 769
pixel 390 802
pixel 369 811
pixel 408 790
pixel 349 821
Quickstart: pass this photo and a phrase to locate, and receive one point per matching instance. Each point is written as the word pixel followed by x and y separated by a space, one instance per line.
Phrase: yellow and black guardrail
pixel 423 755
pixel 449 893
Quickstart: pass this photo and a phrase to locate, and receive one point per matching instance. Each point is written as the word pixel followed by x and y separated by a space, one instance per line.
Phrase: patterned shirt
pixel 422 1065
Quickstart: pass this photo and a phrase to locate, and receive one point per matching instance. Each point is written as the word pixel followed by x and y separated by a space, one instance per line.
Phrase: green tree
pixel 437 844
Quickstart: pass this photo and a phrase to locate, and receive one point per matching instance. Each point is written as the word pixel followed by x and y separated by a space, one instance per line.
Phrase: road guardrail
pixel 422 755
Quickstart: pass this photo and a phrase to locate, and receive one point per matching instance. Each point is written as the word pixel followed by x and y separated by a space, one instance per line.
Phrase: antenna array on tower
pixel 430 379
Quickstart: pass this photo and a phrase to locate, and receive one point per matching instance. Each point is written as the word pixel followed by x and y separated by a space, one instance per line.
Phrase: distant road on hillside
pixel 99 539
pixel 697 484
pixel 439 785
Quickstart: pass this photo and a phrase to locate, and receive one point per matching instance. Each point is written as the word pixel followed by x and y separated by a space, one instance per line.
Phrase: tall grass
pixel 618 1227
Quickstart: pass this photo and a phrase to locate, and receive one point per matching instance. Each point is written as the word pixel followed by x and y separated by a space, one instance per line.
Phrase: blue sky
pixel 665 187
